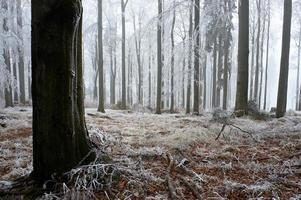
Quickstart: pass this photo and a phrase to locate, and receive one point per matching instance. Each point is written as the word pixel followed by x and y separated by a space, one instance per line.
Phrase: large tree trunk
pixel 60 138
pixel 241 103
pixel 283 77
pixel 188 93
pixel 21 52
pixel 101 106
pixel 196 85
pixel 172 97
pixel 159 58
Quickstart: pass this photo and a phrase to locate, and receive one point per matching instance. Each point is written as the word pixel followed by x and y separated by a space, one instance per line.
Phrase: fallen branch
pixel 220 133
pixel 234 126
pixel 192 187
pixel 171 188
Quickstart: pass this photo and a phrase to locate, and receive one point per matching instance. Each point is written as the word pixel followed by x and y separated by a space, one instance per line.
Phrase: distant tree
pixel 284 67
pixel 101 106
pixel 60 137
pixel 241 104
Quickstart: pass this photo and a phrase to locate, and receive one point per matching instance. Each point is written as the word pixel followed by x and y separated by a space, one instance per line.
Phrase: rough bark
pixel 284 67
pixel 241 103
pixel 59 132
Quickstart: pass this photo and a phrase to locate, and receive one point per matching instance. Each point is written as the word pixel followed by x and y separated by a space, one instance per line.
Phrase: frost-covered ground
pixel 257 160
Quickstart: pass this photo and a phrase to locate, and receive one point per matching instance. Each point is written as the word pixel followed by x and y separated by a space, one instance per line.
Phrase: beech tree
pixel 284 66
pixel 60 137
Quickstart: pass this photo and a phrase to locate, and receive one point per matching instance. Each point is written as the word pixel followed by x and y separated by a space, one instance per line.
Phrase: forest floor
pixel 173 156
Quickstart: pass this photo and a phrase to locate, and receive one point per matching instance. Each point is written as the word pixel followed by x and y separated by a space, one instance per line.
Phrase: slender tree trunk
pixel 226 69
pixel 256 92
pixel 101 106
pixel 241 104
pixel 183 74
pixel 123 101
pixel 205 82
pixel 214 74
pixel 159 58
pixel 261 62
pixel 150 75
pixel 29 80
pixel 138 56
pixel 298 101
pixel 8 92
pixel 219 70
pixel 172 98
pixel 95 67
pixel 284 68
pixel 188 93
pixel 21 52
pixel 196 85
pixel 267 56
pixel 15 90
pixel 251 95
pixel 60 137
